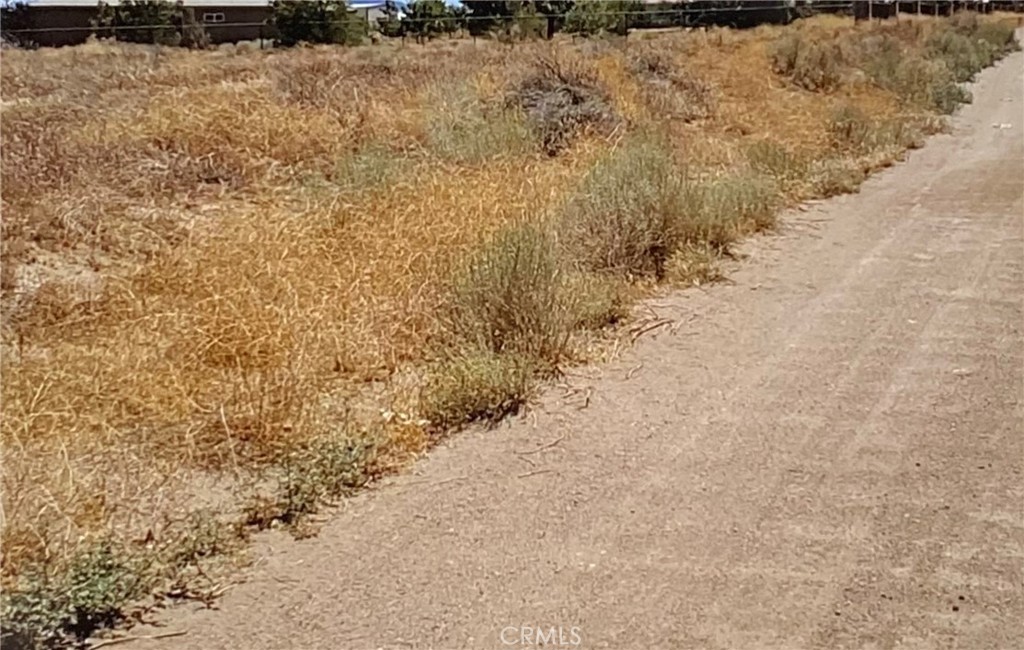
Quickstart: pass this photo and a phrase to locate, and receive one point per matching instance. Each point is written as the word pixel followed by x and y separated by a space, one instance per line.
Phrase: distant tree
pixel 489 15
pixel 590 17
pixel 460 16
pixel 390 24
pixel 193 36
pixel 141 21
pixel 426 19
pixel 525 15
pixel 555 12
pixel 316 21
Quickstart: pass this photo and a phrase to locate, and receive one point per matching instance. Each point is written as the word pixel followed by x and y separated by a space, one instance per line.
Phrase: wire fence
pixel 689 13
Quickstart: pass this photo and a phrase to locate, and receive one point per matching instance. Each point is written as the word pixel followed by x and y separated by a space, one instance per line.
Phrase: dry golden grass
pixel 212 259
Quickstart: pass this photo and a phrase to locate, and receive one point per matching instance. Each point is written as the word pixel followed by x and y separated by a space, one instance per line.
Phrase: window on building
pixel 213 17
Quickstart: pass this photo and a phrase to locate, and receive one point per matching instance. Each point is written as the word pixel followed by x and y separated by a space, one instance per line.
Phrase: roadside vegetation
pixel 239 285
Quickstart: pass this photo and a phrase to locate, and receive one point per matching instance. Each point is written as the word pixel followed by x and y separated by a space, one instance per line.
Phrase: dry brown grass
pixel 214 259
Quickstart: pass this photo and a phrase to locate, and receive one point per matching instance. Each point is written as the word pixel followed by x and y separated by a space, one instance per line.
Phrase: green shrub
pixel 775 160
pixel 476 385
pixel 509 298
pixel 319 471
pixel 316 21
pixel 623 216
pixel 809 64
pixel 596 300
pixel 51 609
pixel 965 56
pixel 145 21
pixel 591 17
pixel 1000 35
pixel 851 129
pixel 427 19
pixel 462 130
pixel 835 176
pixel 917 80
pixel 716 213
pixel 947 96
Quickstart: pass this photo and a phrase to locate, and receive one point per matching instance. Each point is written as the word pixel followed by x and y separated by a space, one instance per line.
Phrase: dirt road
pixel 826 453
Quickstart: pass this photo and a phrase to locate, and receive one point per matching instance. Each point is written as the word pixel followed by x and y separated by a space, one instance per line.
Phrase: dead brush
pixel 39 153
pixel 670 89
pixel 318 81
pixel 563 98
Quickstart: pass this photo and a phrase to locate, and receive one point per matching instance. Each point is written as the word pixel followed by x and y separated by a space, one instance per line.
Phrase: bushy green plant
pixel 509 298
pixel 427 19
pixel 538 18
pixel 140 21
pixel 52 608
pixel 476 385
pixel 623 216
pixel 509 317
pixel 916 79
pixel 461 129
pixel 390 23
pixel 964 55
pixel 315 21
pixel 591 17
pixel 809 64
pixel 312 474
pixel 775 160
pixel 717 212
pixel 850 128
pixel 1000 35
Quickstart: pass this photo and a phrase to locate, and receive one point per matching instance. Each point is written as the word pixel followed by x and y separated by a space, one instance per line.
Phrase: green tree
pixel 528 16
pixel 141 21
pixel 315 21
pixel 490 15
pixel 426 19
pixel 590 17
pixel 555 12
pixel 390 24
